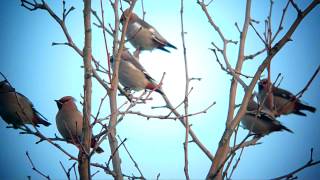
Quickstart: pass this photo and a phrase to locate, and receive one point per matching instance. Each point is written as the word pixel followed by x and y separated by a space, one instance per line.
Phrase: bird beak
pixel 59 104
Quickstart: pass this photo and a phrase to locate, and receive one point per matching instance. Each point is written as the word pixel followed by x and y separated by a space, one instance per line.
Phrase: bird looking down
pixel 284 102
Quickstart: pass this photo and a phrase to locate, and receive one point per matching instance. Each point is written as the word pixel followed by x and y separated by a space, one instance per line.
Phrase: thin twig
pixel 134 162
pixel 105 41
pixel 299 94
pixel 308 164
pixel 165 117
pixel 67 172
pixel 95 173
pixel 114 152
pixel 186 98
pixel 252 56
pixel 143 11
pixel 236 164
pixel 35 169
pixel 280 27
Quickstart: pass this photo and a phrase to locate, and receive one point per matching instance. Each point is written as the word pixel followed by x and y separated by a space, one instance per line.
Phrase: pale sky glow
pixel 44 73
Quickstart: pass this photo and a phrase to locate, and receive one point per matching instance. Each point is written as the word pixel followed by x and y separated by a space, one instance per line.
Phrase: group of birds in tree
pixel 260 119
pixel 142 36
pixel 18 110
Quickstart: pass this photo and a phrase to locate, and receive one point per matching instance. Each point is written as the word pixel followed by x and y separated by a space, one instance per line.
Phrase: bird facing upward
pixel 142 35
pixel 69 122
pixel 16 109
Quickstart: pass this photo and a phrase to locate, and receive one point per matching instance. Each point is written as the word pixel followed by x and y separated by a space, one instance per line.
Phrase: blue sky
pixel 43 73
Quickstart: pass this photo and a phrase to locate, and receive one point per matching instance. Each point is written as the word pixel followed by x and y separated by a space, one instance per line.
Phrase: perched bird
pixel 260 122
pixel 69 122
pixel 16 109
pixel 142 35
pixel 132 75
pixel 284 101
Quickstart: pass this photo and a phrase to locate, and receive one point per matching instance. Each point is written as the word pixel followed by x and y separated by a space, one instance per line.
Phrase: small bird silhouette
pixel 16 109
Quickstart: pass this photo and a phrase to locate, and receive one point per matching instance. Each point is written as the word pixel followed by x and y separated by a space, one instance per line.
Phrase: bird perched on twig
pixel 69 122
pixel 284 102
pixel 142 35
pixel 261 122
pixel 16 109
pixel 132 75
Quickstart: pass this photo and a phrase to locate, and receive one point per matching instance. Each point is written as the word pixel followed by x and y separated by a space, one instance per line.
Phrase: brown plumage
pixel 261 122
pixel 16 109
pixel 132 74
pixel 69 122
pixel 142 35
pixel 284 101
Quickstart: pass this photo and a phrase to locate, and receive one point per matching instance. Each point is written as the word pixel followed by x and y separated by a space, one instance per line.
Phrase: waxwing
pixel 260 122
pixel 69 121
pixel 132 75
pixel 16 109
pixel 284 101
pixel 142 35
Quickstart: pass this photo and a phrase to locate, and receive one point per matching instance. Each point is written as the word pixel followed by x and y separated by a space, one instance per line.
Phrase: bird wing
pixel 283 93
pixel 264 116
pixel 144 24
pixel 25 98
pixel 32 106
pixel 267 117
pixel 126 56
pixel 158 38
pixel 155 34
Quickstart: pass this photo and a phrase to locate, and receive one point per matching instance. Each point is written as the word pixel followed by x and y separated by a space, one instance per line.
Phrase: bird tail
pixel 99 150
pixel 93 144
pixel 164 49
pixel 297 112
pixel 45 123
pixel 154 86
pixel 285 128
pixel 171 46
pixel 40 120
pixel 301 106
pixel 167 45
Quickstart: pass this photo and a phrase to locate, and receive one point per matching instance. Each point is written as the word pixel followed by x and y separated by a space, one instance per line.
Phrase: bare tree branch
pixel 35 169
pixel 291 175
pixel 84 158
pixel 224 143
pixel 186 98
pixel 67 172
pixel 117 51
pixel 134 162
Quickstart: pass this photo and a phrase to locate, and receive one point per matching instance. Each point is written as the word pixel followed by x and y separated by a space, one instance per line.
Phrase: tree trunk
pixel 84 159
